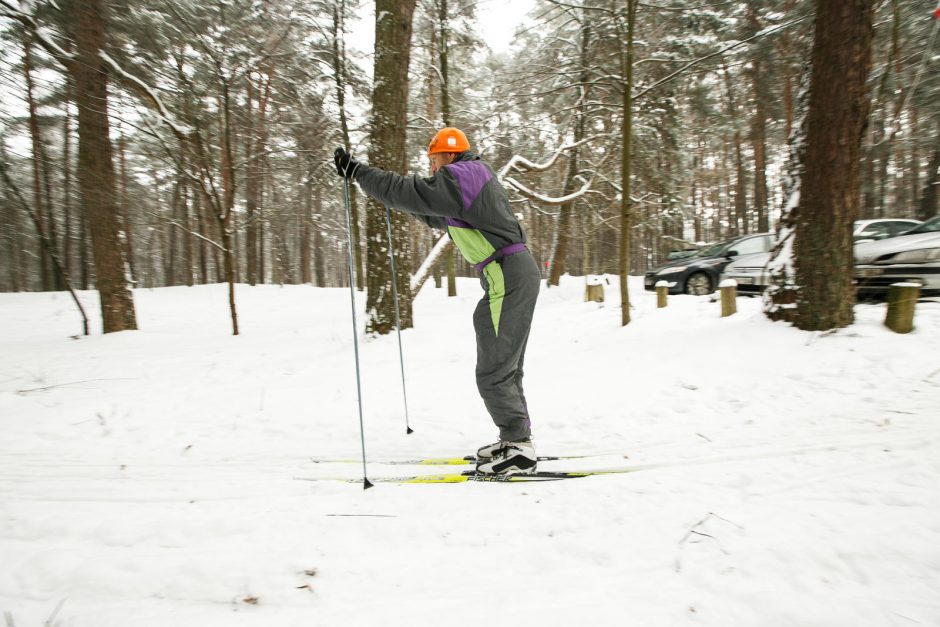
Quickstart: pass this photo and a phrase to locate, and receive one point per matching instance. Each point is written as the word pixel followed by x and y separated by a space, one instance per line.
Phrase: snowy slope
pixel 148 478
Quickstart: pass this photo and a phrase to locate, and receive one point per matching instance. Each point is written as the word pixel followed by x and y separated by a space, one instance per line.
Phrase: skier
pixel 464 197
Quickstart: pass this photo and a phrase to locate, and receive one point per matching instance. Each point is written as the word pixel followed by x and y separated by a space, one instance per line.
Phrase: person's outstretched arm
pixel 438 195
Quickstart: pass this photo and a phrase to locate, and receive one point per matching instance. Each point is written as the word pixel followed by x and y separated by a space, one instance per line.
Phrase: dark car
pixel 699 273
pixel 682 254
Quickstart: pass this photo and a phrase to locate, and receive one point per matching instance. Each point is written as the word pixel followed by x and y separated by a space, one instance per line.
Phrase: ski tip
pixel 409 430
pixel 366 484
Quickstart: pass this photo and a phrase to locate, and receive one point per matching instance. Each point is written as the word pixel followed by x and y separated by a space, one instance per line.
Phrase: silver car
pixel 913 257
pixel 750 273
pixel 881 228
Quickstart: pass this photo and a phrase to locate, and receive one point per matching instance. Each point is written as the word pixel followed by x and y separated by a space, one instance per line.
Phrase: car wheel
pixel 699 284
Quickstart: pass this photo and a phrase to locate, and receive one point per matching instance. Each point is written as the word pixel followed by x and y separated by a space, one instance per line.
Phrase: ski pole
pixel 366 484
pixel 401 356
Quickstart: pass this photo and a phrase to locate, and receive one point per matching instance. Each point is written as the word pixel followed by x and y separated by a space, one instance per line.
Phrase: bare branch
pixel 7 9
pixel 144 91
pixel 521 164
pixel 717 53
pixel 547 200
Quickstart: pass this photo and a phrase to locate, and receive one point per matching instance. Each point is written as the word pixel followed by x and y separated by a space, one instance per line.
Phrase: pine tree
pixel 96 177
pixel 828 205
pixel 389 121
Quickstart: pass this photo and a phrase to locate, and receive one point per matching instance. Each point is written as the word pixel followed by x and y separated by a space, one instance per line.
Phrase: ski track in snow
pixel 782 478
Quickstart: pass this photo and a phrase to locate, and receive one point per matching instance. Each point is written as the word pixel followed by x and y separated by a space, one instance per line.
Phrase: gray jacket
pixel 463 198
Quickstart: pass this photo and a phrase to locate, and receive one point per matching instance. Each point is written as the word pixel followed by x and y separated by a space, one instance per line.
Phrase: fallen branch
pixel 50 622
pixel 693 531
pixel 434 257
pixel 47 244
pixel 59 385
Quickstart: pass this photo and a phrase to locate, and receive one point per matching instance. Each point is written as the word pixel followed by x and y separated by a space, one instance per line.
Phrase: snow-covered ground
pixel 148 478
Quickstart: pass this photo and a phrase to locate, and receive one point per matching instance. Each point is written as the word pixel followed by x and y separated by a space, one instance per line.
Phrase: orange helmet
pixel 448 140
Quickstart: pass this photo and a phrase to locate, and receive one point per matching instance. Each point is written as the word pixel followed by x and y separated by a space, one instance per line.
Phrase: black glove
pixel 346 166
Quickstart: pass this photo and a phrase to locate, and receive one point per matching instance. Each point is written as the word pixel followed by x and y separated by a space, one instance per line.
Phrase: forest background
pixel 180 142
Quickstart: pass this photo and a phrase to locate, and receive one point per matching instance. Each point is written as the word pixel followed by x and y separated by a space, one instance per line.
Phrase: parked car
pixel 881 228
pixel 749 271
pixel 699 273
pixel 913 257
pixel 682 254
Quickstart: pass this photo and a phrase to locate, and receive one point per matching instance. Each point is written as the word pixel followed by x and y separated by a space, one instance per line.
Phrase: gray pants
pixel 502 330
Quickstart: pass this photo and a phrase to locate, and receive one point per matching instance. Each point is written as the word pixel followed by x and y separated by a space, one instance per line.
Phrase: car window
pixel 710 251
pixel 930 226
pixel 751 245
pixel 897 227
pixel 876 230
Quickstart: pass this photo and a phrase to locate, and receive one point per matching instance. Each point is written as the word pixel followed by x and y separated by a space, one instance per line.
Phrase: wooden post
pixel 662 290
pixel 902 297
pixel 594 290
pixel 729 297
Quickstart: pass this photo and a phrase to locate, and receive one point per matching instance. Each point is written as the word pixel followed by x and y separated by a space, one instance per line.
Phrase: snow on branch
pixel 43 34
pixel 144 90
pixel 521 164
pixel 547 200
pixel 45 37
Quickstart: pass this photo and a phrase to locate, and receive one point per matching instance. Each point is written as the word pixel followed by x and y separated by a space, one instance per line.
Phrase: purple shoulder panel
pixel 471 176
pixel 460 224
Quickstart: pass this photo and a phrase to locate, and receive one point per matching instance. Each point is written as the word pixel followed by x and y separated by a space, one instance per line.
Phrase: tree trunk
pixel 759 143
pixel 96 168
pixel 738 220
pixel 838 110
pixel 306 222
pixel 173 234
pixel 255 142
pixel 187 220
pixel 786 47
pixel 13 232
pixel 927 208
pixel 339 73
pixel 68 227
pixel 251 191
pixel 914 189
pixel 563 227
pixel 319 270
pixel 203 230
pixel 124 209
pixel 389 121
pixel 739 223
pixel 46 281
pixel 787 99
pixel 226 214
pixel 626 202
pixel 450 262
pixel 566 210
